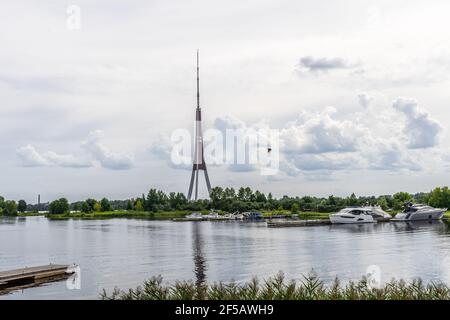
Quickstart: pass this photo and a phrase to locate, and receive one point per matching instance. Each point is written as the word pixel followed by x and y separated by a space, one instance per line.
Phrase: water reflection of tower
pixel 199 259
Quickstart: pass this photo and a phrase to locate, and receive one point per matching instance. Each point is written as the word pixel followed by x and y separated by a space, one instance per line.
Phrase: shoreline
pixel 166 215
pixel 170 215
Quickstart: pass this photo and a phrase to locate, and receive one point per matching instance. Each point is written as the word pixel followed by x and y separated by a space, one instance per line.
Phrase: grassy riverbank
pixel 121 214
pixel 310 287
pixel 30 214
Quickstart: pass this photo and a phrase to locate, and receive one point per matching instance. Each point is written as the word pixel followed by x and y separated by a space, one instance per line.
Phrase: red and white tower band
pixel 199 160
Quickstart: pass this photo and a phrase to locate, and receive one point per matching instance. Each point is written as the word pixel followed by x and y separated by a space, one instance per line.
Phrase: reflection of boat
pixel 414 212
pixel 360 227
pixel 252 215
pixel 405 225
pixel 353 215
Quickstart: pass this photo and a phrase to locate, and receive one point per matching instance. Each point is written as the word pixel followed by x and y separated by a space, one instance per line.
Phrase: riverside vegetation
pixel 157 204
pixel 310 287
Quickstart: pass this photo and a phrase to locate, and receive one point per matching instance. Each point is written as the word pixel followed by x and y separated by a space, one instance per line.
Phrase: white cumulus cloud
pixel 30 157
pixel 106 158
pixel 319 133
pixel 94 151
pixel 421 130
pixel 162 149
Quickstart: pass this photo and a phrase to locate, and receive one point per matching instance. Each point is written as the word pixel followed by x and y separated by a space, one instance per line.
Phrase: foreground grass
pixel 278 288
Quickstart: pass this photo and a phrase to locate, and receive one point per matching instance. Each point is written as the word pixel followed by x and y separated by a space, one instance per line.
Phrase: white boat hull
pixel 347 219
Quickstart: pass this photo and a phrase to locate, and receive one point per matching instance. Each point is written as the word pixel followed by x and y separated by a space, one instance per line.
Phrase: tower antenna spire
pixel 198 83
pixel 199 160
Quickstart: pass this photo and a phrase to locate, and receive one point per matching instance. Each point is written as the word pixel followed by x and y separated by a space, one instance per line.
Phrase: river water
pixel 125 252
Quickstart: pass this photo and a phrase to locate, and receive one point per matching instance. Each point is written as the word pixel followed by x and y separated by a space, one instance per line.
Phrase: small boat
pixel 379 214
pixel 416 212
pixel 353 215
pixel 195 216
pixel 238 216
pixel 228 216
pixel 252 215
pixel 213 216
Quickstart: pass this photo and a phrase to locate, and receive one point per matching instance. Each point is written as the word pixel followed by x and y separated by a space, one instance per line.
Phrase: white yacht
pixel 379 214
pixel 353 215
pixel 415 212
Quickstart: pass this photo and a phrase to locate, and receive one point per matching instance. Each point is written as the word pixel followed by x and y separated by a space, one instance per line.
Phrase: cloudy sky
pixel 357 89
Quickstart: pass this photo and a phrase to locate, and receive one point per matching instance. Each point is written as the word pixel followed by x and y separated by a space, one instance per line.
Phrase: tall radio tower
pixel 199 160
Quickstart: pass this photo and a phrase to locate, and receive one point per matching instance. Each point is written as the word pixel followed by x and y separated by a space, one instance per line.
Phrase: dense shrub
pixel 60 206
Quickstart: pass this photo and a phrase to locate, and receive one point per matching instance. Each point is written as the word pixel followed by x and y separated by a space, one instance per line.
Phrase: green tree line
pixel 231 200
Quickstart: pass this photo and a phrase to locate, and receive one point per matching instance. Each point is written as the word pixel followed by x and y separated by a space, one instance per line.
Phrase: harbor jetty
pixel 189 219
pixel 32 276
pixel 297 223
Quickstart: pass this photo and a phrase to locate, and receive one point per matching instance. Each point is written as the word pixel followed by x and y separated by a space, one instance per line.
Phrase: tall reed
pixel 277 287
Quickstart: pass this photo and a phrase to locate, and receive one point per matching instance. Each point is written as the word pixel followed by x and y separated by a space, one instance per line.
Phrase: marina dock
pixel 188 219
pixel 297 223
pixel 32 276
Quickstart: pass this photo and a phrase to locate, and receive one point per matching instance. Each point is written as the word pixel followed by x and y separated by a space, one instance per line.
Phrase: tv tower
pixel 199 160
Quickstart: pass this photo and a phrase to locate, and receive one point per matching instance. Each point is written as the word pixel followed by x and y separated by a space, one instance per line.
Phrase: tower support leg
pixel 208 185
pixel 191 185
pixel 196 184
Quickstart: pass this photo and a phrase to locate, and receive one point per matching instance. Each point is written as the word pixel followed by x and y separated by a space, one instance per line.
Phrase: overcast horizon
pixel 358 91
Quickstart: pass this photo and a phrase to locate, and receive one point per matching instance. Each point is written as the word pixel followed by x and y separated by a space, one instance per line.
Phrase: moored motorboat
pixel 213 216
pixel 227 216
pixel 379 214
pixel 195 216
pixel 353 215
pixel 417 212
pixel 237 216
pixel 254 215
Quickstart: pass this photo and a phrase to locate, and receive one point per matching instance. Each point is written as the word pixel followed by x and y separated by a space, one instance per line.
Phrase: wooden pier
pixel 297 223
pixel 32 276
pixel 188 219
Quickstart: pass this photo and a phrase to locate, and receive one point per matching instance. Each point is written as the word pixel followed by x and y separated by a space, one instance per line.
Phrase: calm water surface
pixel 124 253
